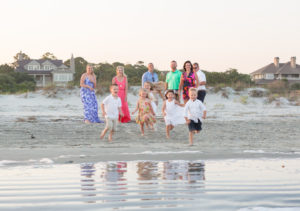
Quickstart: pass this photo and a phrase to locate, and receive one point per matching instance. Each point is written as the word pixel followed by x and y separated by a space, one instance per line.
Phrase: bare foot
pixel 142 134
pixel 110 138
pixel 191 145
pixel 168 136
pixel 87 121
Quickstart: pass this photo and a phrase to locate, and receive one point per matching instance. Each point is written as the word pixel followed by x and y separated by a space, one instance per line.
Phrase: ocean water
pixel 232 184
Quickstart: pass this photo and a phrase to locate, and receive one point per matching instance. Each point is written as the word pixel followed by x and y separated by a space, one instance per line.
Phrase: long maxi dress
pixel 90 103
pixel 122 95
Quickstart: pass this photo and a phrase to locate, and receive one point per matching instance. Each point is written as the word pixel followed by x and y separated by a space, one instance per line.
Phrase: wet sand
pixel 71 141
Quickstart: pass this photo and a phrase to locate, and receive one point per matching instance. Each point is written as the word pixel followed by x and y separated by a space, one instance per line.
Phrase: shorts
pixel 111 124
pixel 201 95
pixel 195 126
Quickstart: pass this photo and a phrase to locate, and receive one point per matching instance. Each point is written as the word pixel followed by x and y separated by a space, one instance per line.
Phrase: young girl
pixel 172 111
pixel 154 100
pixel 146 113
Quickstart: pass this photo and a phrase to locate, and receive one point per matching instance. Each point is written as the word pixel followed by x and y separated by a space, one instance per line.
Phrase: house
pixel 47 71
pixel 277 71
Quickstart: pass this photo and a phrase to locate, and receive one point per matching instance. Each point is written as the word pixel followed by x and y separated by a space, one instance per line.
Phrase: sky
pixel 218 34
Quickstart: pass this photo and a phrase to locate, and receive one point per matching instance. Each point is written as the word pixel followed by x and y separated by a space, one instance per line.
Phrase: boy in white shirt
pixel 111 108
pixel 194 112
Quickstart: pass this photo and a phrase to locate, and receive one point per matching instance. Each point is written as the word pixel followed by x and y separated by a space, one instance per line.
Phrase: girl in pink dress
pixel 121 81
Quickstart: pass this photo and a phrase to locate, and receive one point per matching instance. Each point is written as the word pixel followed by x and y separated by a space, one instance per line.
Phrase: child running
pixel 154 100
pixel 111 108
pixel 194 111
pixel 171 110
pixel 146 113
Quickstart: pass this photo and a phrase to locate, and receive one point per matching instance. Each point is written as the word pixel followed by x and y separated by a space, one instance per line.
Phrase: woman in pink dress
pixel 121 81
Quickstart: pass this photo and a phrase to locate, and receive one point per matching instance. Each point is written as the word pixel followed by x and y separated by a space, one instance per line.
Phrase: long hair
pixel 192 70
pixel 120 67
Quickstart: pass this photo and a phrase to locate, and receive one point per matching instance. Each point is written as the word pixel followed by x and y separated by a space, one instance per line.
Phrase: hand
pixel 91 88
pixel 132 113
pixel 104 113
pixel 121 114
pixel 204 116
pixel 164 113
pixel 188 121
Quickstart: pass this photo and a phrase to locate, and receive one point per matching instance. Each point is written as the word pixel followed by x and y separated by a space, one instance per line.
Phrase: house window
pixel 46 67
pixel 30 67
pixel 36 67
pixel 295 75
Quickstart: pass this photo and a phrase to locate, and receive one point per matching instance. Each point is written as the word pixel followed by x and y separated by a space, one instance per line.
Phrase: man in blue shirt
pixel 150 76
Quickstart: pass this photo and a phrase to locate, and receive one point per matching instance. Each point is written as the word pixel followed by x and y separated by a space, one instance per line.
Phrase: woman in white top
pixel 172 111
pixel 201 90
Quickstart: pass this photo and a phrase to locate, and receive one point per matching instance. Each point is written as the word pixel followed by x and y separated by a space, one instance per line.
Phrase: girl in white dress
pixel 173 112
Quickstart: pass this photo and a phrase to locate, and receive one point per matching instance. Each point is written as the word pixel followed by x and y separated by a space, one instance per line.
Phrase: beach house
pixel 47 71
pixel 277 71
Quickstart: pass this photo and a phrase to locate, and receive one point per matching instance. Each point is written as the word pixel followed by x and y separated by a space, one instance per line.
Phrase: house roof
pixel 287 69
pixel 270 68
pixel 56 62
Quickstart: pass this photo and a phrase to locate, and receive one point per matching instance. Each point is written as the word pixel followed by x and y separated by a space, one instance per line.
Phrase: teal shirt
pixel 173 79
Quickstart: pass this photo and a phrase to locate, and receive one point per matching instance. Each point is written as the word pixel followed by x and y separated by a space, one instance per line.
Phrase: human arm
pixel 103 110
pixel 163 110
pixel 151 108
pixel 136 108
pixel 185 111
pixel 197 80
pixel 180 86
pixel 143 79
pixel 82 84
pixel 179 104
pixel 202 79
pixel 94 80
pixel 126 88
pixel 121 112
pixel 204 114
pixel 167 80
pixel 203 108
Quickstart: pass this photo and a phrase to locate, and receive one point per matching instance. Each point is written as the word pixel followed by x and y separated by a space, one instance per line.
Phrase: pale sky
pixel 218 34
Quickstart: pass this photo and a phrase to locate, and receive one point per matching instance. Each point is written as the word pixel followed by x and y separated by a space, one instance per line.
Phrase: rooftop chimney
pixel 20 56
pixel 276 62
pixel 293 62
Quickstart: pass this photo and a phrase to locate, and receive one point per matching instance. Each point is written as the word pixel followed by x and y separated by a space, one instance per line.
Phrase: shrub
pixel 295 86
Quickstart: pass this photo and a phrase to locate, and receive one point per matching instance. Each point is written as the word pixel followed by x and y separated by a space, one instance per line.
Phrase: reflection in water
pixel 114 176
pixel 87 180
pixel 153 181
pixel 190 171
pixel 153 173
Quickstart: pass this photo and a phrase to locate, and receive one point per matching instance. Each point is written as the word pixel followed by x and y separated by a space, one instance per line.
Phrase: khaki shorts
pixel 111 124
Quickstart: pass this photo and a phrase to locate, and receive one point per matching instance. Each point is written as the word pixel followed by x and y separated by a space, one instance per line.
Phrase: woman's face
pixel 89 69
pixel 120 72
pixel 188 66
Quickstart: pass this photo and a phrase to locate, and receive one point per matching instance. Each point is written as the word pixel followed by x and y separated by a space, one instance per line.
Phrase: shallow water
pixel 235 184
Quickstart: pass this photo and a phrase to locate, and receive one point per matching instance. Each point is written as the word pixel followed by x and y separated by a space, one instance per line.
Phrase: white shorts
pixel 111 124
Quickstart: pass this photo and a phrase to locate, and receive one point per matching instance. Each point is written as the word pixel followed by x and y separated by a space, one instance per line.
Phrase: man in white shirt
pixel 194 112
pixel 202 82
pixel 111 108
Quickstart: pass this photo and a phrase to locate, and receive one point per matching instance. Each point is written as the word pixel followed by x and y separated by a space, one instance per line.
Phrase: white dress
pixel 174 114
pixel 154 106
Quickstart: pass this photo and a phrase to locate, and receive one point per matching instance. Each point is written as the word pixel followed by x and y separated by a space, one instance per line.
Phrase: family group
pixel 188 85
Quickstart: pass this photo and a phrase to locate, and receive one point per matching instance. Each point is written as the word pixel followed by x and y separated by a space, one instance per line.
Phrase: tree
pixel 5 68
pixel 49 55
pixel 24 56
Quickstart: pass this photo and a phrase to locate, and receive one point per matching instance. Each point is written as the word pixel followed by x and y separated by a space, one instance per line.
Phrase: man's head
pixel 196 66
pixel 150 67
pixel 173 65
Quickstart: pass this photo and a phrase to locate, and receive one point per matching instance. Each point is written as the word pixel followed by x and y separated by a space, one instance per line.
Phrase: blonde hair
pixel 122 68
pixel 192 89
pixel 144 90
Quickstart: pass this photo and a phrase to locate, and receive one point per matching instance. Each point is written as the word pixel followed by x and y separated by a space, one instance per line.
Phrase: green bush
pixel 295 86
